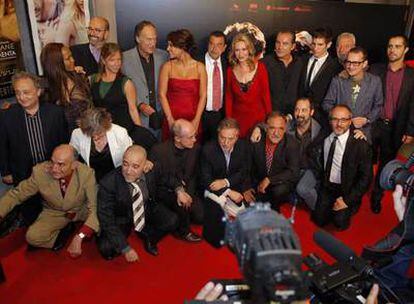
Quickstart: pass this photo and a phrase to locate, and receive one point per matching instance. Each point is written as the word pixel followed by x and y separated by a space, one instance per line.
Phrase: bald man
pixel 87 55
pixel 178 159
pixel 126 200
pixel 68 189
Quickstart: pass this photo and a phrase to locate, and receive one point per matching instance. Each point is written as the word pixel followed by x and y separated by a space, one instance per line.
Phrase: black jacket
pixel 404 119
pixel 115 205
pixel 285 163
pixel 213 165
pixel 83 57
pixel 356 170
pixel 15 156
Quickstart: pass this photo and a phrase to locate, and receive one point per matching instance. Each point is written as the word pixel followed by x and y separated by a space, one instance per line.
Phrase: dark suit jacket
pixel 15 155
pixel 404 118
pixel 284 82
pixel 213 165
pixel 285 164
pixel 83 57
pixel 115 205
pixel 356 172
pixel 320 84
pixel 172 174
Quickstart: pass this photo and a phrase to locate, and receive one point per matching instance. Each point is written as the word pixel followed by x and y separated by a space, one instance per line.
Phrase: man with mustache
pixel 343 165
pixel 88 55
pixel 274 169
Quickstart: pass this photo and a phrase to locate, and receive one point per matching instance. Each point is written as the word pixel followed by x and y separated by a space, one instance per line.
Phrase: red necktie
pixel 216 87
pixel 269 157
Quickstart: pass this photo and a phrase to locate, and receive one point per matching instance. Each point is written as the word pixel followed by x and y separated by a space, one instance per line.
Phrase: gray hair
pixel 26 75
pixel 345 35
pixel 95 120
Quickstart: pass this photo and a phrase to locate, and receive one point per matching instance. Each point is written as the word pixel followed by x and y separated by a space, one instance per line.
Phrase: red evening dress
pixel 183 96
pixel 248 103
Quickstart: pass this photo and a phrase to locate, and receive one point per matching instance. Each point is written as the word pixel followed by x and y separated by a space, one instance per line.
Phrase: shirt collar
pixel 321 59
pixel 341 138
pixel 211 60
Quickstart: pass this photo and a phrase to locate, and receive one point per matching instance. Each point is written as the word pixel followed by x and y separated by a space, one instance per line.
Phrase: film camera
pixel 397 172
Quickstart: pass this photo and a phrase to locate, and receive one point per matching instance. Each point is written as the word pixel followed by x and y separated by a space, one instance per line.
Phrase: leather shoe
pixel 376 202
pixel 191 237
pixel 150 247
pixel 64 236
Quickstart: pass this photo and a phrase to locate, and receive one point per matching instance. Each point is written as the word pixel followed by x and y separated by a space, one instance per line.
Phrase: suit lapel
pixel 222 159
pixel 404 87
pixel 323 67
pixel 346 156
pixel 139 68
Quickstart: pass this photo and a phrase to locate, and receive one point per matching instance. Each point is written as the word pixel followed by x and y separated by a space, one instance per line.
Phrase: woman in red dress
pixel 182 82
pixel 247 88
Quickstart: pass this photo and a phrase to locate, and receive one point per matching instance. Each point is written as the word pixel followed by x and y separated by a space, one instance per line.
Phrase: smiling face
pixel 241 51
pixel 303 112
pixel 97 32
pixel 355 64
pixel 340 120
pixel 276 128
pixel 113 62
pixel 27 94
pixel 147 40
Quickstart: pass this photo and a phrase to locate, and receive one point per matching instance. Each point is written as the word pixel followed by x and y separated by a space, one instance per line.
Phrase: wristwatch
pixel 82 235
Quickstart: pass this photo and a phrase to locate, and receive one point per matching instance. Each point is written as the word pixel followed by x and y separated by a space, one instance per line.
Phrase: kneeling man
pixel 125 202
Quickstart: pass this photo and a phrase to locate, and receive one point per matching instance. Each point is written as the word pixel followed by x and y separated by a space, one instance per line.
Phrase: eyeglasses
pixel 92 29
pixel 354 63
pixel 339 120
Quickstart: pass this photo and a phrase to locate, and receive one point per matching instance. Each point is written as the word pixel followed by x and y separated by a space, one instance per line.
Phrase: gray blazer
pixel 369 101
pixel 132 67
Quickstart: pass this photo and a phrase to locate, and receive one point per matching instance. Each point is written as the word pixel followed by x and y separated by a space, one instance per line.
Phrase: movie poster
pixel 63 21
pixel 10 61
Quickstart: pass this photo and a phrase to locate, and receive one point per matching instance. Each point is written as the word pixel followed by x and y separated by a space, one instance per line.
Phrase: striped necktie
pixel 137 207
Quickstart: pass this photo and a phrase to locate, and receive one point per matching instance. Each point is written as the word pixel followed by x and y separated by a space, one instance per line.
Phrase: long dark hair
pixel 56 74
pixel 183 39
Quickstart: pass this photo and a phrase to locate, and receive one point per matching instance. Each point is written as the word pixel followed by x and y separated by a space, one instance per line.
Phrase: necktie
pixel 309 76
pixel 331 152
pixel 269 157
pixel 63 186
pixel 216 87
pixel 137 207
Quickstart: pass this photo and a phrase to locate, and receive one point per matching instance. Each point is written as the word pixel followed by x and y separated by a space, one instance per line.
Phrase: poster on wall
pixel 63 21
pixel 10 61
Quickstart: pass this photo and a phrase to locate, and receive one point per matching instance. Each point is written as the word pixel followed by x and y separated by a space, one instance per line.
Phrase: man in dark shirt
pixel 284 73
pixel 178 159
pixel 142 64
pixel 396 123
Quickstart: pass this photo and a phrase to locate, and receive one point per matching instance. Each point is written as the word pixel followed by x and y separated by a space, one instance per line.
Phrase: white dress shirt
pixel 209 70
pixel 317 67
pixel 335 176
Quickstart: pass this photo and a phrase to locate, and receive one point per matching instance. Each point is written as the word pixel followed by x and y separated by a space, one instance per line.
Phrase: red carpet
pixel 178 273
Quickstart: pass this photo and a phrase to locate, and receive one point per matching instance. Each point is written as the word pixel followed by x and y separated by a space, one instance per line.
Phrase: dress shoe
pixel 31 248
pixel 376 202
pixel 191 237
pixel 150 247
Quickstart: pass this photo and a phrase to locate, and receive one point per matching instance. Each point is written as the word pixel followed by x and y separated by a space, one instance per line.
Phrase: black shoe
pixel 191 237
pixel 150 247
pixel 376 202
pixel 63 236
pixel 31 248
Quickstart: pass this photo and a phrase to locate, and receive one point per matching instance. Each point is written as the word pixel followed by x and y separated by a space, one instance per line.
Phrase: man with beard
pixel 343 165
pixel 87 55
pixel 274 164
pixel 142 64
pixel 284 71
pixel 306 130
pixel 396 123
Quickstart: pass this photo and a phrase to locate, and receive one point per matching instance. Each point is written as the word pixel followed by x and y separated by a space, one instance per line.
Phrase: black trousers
pixel 383 148
pixel 159 221
pixel 185 216
pixel 143 137
pixel 323 212
pixel 209 123
pixel 213 225
pixel 276 195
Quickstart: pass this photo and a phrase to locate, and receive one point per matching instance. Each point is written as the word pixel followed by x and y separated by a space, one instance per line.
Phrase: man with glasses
pixel 87 55
pixel 396 123
pixel 177 160
pixel 343 166
pixel 359 90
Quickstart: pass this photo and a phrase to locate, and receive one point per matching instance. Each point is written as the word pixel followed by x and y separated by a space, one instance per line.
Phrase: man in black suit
pixel 176 188
pixel 224 169
pixel 216 67
pixel 29 131
pixel 274 164
pixel 343 165
pixel 317 73
pixel 125 201
pixel 396 123
pixel 284 70
pixel 87 55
